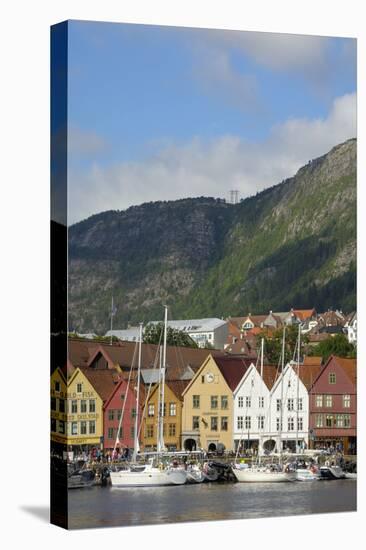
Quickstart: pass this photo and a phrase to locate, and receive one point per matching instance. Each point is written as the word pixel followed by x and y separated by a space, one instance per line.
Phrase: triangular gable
pixel 102 351
pixel 245 376
pixel 120 383
pixel 198 373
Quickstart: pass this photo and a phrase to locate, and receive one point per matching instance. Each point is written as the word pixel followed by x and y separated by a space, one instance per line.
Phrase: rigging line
pixel 124 401
pixel 151 382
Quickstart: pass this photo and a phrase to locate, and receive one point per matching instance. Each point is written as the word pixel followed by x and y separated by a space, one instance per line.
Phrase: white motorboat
pixel 195 474
pixel 306 474
pixel 332 472
pixel 147 476
pixel 261 475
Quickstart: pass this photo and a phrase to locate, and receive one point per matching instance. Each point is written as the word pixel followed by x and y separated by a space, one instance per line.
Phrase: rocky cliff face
pixel 292 244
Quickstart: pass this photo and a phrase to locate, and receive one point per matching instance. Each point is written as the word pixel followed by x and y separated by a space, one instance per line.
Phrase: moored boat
pixel 195 474
pixel 261 475
pixel 147 476
pixel 332 472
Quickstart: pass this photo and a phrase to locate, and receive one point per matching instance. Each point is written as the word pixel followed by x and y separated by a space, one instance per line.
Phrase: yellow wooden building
pixel 207 415
pixel 77 413
pixel 172 416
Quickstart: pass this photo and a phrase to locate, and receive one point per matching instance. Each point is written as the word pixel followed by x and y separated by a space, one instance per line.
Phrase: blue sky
pixel 164 112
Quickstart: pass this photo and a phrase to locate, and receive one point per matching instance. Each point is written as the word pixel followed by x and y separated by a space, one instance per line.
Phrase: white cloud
pixel 214 167
pixel 84 142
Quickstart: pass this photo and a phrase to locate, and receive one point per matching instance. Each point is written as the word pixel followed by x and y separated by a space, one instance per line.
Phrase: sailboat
pixel 151 474
pixel 258 473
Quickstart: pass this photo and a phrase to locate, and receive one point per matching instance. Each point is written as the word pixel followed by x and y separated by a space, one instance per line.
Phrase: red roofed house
pixel 333 407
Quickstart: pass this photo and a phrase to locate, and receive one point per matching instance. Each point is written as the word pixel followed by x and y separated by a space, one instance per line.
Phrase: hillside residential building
pixel 252 406
pixel 207 416
pixel 333 406
pixel 351 328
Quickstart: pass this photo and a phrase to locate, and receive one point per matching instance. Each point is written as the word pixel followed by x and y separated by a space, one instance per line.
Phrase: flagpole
pixel 111 320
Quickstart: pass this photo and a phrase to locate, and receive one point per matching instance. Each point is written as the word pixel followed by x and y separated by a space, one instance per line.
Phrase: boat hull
pixel 262 476
pixel 332 472
pixel 148 478
pixel 303 474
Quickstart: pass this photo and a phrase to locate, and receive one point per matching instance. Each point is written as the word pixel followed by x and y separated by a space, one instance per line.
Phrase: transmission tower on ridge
pixel 234 196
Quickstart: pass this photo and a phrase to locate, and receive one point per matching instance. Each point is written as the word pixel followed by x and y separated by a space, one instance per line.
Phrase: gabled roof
pixel 103 381
pixel 349 366
pixel 270 375
pixel 177 387
pixel 308 374
pixel 67 370
pixel 313 360
pixel 304 314
pixel 232 369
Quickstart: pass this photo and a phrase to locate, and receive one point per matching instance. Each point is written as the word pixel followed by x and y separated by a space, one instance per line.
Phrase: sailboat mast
pixel 136 443
pixel 282 370
pixel 163 375
pixel 262 351
pixel 298 387
pixel 112 309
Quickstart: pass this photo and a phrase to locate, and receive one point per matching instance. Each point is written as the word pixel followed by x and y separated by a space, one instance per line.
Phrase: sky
pixel 161 113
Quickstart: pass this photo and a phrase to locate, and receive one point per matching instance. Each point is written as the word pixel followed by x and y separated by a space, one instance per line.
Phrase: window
pixel 92 405
pixel 119 433
pixel 224 402
pixel 299 404
pixel 214 401
pixel 82 428
pixel 290 424
pixel 122 396
pixel 119 414
pixel 332 378
pixel 61 405
pixel 346 401
pixel 53 424
pixel 252 382
pixel 261 402
pixel 328 401
pixel 240 402
pixel 91 426
pixel 151 410
pixel 300 424
pixel 74 428
pixel 61 427
pixel 83 406
pixel 260 422
pixel 57 386
pixel 319 421
pixel 329 420
pixel 248 402
pixel 214 423
pixel 110 433
pixel 172 430
pixel 318 400
pixel 290 404
pixel 79 388
pixel 196 401
pixel 111 414
pixel 162 409
pixel 203 379
pixel 248 422
pixel 195 423
pixel 74 406
pixel 132 432
pixel 53 403
pixel 339 421
pixel 278 424
pixel 289 384
pixel 172 409
pixel 224 423
pixel 150 430
pixel 133 413
pixel 347 421
pixel 278 404
pixel 240 422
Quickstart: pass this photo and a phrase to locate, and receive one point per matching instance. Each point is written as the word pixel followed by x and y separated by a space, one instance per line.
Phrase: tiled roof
pixel 313 360
pixel 270 375
pixel 177 386
pixel 349 366
pixel 103 381
pixel 308 374
pixel 232 369
pixel 304 314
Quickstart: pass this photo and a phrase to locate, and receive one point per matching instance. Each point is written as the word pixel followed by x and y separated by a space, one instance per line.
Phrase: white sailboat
pixel 146 475
pixel 272 473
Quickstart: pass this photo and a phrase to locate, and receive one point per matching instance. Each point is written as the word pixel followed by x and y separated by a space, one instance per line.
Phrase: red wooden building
pixel 333 407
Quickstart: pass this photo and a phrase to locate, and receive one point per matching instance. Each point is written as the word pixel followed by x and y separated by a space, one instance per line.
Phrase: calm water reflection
pixel 107 507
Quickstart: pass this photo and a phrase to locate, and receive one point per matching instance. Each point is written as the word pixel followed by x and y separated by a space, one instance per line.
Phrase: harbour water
pixel 112 507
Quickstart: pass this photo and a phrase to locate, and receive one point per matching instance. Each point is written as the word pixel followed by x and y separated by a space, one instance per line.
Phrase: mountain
pixel 293 244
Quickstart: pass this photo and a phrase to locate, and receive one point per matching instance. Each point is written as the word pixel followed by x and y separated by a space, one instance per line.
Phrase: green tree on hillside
pixel 334 345
pixel 154 334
